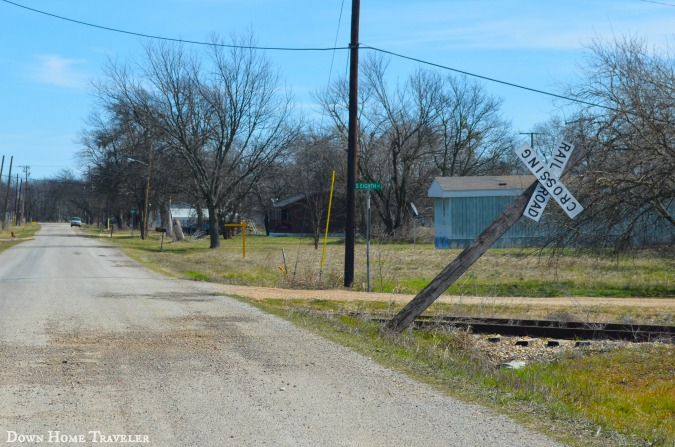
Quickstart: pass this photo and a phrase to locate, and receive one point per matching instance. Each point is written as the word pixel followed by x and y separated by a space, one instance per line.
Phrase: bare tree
pixel 58 198
pixel 221 113
pixel 252 125
pixel 628 184
pixel 401 119
pixel 121 154
pixel 423 127
pixel 316 156
pixel 472 137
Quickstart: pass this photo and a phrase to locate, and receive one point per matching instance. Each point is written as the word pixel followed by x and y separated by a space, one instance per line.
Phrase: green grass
pixel 197 276
pixel 629 389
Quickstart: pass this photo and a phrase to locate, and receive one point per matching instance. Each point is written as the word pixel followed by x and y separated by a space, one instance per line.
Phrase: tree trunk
pixel 120 220
pixel 178 231
pixel 166 218
pixel 213 227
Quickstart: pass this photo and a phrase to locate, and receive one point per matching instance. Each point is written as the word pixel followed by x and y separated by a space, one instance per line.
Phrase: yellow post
pixel 243 226
pixel 330 204
pixel 243 238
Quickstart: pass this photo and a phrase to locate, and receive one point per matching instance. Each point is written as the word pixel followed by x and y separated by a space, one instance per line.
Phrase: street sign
pixel 537 204
pixel 368 185
pixel 549 181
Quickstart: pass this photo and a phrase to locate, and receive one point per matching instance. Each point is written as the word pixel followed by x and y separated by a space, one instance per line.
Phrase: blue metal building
pixel 465 206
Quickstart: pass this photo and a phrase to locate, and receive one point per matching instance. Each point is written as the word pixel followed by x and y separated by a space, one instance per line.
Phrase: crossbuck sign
pixel 549 181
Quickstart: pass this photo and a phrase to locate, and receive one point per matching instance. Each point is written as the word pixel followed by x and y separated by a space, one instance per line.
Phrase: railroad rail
pixel 564 330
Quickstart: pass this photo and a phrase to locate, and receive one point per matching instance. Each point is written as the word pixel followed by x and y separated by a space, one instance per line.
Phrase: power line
pixel 657 3
pixel 334 48
pixel 332 59
pixel 171 39
pixel 486 78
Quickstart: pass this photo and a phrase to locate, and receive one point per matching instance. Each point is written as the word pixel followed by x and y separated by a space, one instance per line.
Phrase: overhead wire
pixel 486 78
pixel 337 33
pixel 657 3
pixel 334 48
pixel 172 39
pixel 332 59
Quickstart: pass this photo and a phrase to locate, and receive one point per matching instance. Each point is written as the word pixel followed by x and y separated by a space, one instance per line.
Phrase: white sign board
pixel 549 180
pixel 537 204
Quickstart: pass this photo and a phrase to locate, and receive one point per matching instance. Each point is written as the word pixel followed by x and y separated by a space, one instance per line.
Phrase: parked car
pixel 75 222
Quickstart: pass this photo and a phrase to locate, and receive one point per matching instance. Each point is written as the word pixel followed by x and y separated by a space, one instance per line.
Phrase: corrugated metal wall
pixel 458 221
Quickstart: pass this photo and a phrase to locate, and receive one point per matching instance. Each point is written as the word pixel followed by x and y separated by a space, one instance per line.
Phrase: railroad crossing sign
pixel 549 181
pixel 460 264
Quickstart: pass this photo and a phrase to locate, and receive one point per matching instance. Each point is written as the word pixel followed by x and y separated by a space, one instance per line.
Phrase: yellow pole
pixel 330 204
pixel 243 226
pixel 243 238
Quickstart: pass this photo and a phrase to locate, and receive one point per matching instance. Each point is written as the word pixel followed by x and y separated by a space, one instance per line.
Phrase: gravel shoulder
pixel 96 348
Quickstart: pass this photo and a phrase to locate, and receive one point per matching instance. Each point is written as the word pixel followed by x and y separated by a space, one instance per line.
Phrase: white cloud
pixel 56 70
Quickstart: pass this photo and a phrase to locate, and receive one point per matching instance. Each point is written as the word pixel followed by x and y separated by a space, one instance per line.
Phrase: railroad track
pixel 564 330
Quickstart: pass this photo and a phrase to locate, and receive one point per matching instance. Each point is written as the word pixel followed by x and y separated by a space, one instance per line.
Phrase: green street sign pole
pixel 368 187
pixel 368 238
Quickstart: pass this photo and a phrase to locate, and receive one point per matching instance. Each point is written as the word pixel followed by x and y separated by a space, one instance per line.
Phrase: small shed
pixel 465 206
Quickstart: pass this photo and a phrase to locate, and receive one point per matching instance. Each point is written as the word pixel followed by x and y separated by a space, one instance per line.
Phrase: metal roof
pixel 479 185
pixel 288 200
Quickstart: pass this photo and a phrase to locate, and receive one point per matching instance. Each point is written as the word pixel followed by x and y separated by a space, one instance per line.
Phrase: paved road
pixel 97 349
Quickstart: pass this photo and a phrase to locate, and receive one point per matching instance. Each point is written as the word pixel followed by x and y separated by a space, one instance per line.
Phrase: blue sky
pixel 47 64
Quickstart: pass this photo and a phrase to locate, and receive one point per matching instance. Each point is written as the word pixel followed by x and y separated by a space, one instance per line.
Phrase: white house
pixel 186 214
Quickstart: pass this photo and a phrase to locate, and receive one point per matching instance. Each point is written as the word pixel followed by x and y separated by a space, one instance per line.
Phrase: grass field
pixel 13 235
pixel 402 268
pixel 618 397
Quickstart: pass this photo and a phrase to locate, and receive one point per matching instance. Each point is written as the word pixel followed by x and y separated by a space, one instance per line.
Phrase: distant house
pixel 186 214
pixel 293 216
pixel 465 206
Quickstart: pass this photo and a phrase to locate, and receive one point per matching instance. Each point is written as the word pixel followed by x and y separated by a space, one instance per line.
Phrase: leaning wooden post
pixel 466 258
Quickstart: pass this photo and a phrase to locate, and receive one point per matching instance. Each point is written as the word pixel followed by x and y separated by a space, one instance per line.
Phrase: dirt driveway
pixel 536 305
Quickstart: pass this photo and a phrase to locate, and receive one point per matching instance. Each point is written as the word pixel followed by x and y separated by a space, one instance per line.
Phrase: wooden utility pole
pixel 17 201
pixel 9 186
pixel 352 145
pixel 467 257
pixel 144 233
pixel 2 169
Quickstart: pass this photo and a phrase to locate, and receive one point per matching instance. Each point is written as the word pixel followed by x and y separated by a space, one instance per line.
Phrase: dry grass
pixel 400 268
pixel 14 234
